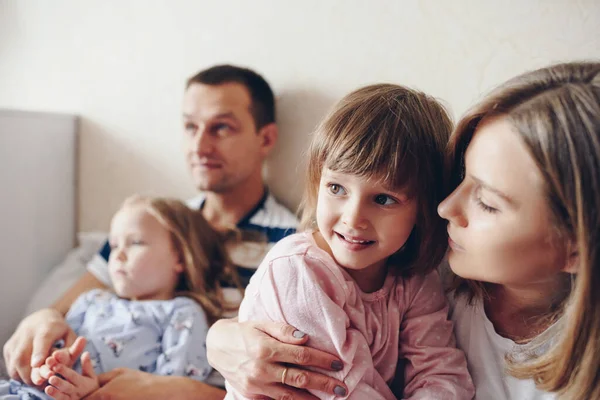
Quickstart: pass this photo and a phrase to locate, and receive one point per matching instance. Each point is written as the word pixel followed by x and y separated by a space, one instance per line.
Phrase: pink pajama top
pixel 300 284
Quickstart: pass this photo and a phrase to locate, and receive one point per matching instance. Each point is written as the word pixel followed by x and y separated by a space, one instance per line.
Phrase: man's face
pixel 222 145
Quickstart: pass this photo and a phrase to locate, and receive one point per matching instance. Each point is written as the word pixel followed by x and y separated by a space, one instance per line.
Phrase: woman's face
pixel 499 221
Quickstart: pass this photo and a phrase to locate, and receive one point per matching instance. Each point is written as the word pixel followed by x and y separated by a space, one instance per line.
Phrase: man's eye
pixel 221 128
pixel 190 128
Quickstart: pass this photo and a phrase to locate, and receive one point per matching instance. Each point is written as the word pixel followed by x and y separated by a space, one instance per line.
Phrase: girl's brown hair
pixel 202 253
pixel 556 112
pixel 397 135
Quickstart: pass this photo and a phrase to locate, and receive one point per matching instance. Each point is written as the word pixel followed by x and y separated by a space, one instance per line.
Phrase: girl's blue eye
pixel 384 200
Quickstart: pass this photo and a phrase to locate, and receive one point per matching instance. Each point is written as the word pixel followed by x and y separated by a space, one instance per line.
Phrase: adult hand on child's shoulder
pixel 252 357
pixel 30 344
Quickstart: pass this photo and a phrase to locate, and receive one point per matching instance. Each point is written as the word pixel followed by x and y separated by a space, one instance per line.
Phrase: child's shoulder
pixel 419 285
pixel 297 243
pixel 183 302
pixel 185 305
pixel 301 246
pixel 298 254
pixel 98 295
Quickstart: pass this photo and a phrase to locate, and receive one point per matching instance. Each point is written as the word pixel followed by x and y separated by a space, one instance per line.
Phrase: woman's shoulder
pixel 462 305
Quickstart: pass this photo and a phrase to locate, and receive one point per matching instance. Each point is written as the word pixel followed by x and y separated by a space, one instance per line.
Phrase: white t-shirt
pixel 485 350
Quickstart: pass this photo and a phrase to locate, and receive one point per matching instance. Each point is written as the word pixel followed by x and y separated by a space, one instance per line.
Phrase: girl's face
pixel 361 222
pixel 499 221
pixel 143 264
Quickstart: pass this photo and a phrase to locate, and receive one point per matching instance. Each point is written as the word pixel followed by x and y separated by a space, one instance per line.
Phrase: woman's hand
pixel 253 356
pixel 32 341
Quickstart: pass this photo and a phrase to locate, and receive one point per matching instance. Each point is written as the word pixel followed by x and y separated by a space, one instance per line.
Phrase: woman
pixel 524 226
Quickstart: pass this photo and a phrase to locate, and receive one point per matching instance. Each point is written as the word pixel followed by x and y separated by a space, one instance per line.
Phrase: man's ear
pixel 268 135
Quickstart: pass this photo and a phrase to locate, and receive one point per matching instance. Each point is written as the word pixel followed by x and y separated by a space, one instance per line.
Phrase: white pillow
pixel 64 275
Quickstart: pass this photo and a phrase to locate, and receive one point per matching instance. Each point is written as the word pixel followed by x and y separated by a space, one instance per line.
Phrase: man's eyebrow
pixel 228 114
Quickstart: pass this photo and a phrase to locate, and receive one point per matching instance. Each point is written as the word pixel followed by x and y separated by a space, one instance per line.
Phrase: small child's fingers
pixel 51 362
pixel 77 348
pixel 36 376
pixel 64 385
pixel 45 371
pixel 56 394
pixel 61 356
pixel 87 369
pixel 68 374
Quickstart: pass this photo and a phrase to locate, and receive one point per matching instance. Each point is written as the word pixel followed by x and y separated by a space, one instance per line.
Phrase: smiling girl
pixel 360 280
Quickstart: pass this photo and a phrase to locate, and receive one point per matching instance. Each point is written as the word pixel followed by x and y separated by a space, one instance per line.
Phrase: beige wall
pixel 121 66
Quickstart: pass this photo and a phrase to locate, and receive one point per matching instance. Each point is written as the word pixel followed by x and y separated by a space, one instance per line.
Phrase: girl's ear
pixel 178 268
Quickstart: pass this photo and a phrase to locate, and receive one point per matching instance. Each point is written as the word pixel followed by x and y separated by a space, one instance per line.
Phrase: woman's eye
pixel 384 199
pixel 485 207
pixel 336 189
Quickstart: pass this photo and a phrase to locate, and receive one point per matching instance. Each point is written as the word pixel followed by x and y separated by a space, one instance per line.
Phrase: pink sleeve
pixel 435 368
pixel 309 295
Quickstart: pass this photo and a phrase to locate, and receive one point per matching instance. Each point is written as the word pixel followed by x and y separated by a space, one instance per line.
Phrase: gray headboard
pixel 37 204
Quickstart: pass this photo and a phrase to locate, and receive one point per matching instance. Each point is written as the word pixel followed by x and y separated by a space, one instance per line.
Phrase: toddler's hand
pixel 66 356
pixel 67 384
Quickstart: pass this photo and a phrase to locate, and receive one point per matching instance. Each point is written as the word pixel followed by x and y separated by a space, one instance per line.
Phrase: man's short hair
pixel 261 95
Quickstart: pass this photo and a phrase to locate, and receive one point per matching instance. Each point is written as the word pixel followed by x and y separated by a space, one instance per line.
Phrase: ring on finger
pixel 283 375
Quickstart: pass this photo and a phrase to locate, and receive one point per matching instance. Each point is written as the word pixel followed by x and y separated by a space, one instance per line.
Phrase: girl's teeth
pixel 357 241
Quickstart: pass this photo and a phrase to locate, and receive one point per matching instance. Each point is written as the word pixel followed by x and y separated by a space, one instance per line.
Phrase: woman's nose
pixel 452 209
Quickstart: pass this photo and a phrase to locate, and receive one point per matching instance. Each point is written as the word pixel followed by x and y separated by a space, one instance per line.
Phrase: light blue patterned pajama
pixel 164 337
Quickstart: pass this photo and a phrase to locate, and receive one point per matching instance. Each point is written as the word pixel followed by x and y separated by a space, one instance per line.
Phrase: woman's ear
pixel 572 261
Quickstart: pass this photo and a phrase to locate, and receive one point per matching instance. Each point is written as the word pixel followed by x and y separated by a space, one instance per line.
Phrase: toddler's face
pixel 143 264
pixel 362 222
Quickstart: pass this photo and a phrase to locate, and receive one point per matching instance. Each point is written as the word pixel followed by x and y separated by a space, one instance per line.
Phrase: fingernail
pixel 299 334
pixel 337 365
pixel 35 360
pixel 339 391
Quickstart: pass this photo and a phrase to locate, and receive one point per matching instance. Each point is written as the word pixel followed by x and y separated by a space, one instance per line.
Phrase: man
pixel 229 128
